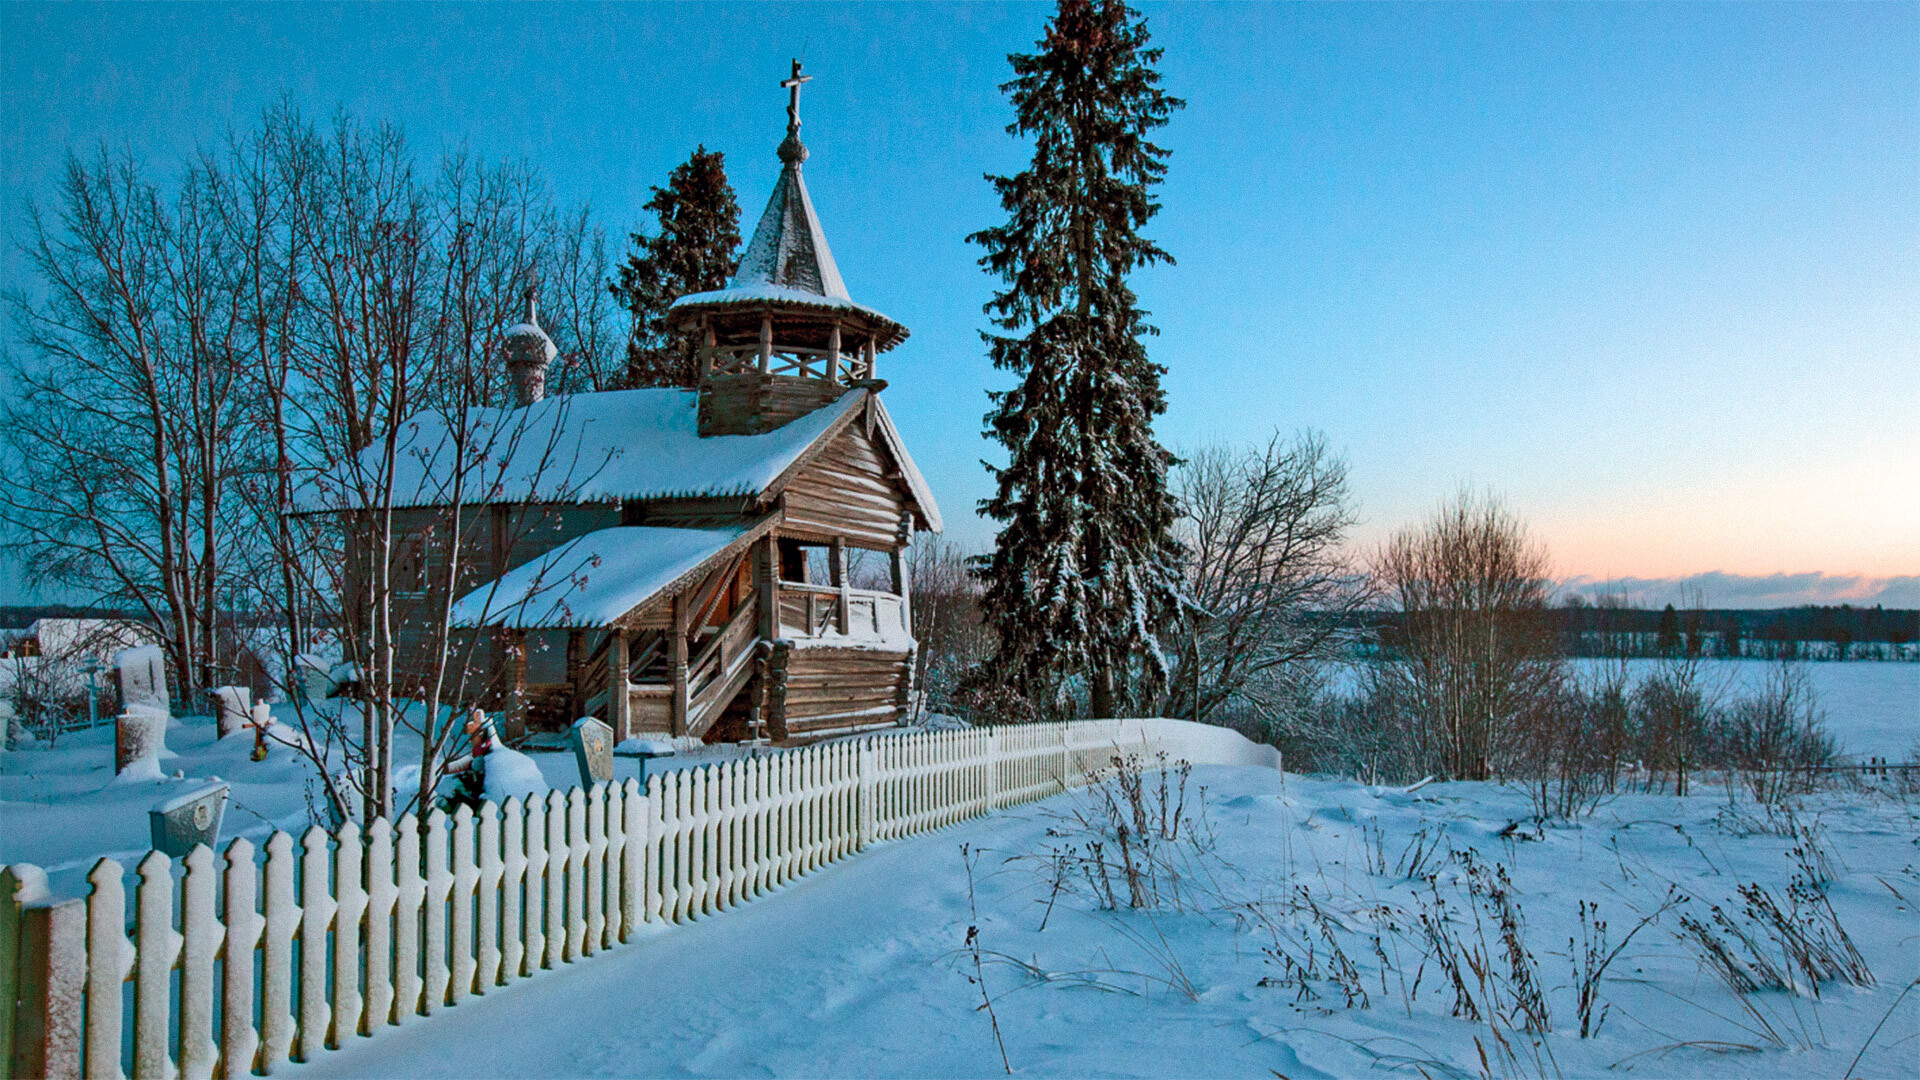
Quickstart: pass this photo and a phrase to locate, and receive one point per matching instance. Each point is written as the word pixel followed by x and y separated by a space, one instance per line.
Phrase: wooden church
pixel 676 562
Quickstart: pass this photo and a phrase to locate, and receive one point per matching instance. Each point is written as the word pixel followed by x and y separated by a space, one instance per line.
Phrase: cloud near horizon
pixel 1722 590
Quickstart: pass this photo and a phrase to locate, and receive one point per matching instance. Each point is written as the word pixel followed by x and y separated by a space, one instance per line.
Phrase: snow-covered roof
pixel 594 579
pixel 788 246
pixel 765 292
pixel 615 444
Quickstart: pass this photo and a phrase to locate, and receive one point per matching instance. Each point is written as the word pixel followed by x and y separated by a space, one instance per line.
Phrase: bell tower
pixel 783 338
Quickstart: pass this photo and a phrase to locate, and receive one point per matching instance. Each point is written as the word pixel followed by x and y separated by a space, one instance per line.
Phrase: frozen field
pixel 862 969
pixel 1873 708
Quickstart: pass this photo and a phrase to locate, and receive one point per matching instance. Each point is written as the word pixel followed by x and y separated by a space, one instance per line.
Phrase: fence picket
pixel 466 874
pixel 276 984
pixel 381 898
pixel 439 888
pixel 350 908
pixel 463 873
pixel 316 915
pixel 239 1039
pixel 633 853
pixel 492 870
pixel 576 880
pixel 596 895
pixel 558 855
pixel 109 959
pixel 614 809
pixel 157 949
pixel 409 899
pixel 513 877
pixel 535 956
pixel 201 934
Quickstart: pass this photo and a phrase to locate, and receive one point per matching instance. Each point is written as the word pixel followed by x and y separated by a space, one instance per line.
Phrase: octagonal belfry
pixel 783 338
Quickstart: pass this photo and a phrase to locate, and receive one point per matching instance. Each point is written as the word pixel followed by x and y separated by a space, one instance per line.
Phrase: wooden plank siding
pixel 850 491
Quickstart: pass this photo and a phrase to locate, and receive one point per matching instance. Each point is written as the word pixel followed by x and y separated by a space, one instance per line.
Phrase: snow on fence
pixel 230 964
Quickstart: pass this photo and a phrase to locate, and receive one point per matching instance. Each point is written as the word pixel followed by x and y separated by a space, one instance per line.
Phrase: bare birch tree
pixel 123 428
pixel 222 392
pixel 1266 575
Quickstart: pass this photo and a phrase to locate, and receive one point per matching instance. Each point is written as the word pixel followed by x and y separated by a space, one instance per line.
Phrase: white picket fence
pixel 237 964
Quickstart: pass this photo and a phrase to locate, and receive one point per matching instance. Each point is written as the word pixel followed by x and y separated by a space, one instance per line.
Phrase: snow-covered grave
pixel 62 807
pixel 1286 940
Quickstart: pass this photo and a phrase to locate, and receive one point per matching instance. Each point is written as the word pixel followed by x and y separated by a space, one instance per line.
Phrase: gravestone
pixel 179 822
pixel 140 677
pixel 312 683
pixel 139 733
pixel 593 751
pixel 236 703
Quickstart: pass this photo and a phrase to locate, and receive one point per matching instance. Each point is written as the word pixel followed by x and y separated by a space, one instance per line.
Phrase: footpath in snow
pixel 1286 939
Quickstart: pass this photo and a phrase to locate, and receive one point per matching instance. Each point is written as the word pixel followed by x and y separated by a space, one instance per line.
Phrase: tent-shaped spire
pixel 787 263
pixel 788 248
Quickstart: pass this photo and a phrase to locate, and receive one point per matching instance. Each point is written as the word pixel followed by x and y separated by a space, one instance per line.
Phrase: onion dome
pixel 528 351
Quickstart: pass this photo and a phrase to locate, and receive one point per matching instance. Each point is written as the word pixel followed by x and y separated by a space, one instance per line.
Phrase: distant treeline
pixel 1802 633
pixel 18 616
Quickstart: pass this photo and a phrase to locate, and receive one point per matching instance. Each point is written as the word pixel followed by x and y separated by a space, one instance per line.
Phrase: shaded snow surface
pixel 858 969
pixel 512 775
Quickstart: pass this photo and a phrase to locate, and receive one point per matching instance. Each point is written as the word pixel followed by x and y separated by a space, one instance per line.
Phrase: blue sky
pixel 1652 273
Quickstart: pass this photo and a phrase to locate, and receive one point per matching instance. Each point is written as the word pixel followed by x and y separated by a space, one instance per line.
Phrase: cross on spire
pixel 792 151
pixel 793 83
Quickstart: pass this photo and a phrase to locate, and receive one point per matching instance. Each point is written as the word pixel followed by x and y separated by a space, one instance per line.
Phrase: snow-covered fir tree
pixel 1082 574
pixel 695 251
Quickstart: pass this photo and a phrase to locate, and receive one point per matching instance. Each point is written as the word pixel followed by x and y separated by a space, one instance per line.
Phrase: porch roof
pixel 597 579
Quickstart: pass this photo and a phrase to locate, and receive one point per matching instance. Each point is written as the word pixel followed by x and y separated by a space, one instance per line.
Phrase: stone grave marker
pixel 236 704
pixel 192 817
pixel 139 733
pixel 593 750
pixel 141 677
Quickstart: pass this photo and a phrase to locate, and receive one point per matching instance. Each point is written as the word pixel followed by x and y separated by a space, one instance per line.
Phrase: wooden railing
pixel 789 360
pixel 814 611
pixel 344 934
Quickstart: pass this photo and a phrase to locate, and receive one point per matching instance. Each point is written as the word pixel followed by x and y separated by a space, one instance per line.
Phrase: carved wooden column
pixel 677 705
pixel 769 588
pixel 902 577
pixel 838 579
pixel 619 697
pixel 833 354
pixel 766 344
pixel 514 724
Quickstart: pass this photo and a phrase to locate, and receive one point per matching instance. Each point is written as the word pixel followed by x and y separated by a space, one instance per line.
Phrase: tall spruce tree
pixel 1082 575
pixel 695 251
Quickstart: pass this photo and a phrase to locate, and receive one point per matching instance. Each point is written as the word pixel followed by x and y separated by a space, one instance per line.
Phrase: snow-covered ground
pixel 62 809
pixel 863 968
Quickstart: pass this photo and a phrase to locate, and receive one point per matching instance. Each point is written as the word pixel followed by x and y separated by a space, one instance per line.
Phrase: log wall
pixel 851 490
